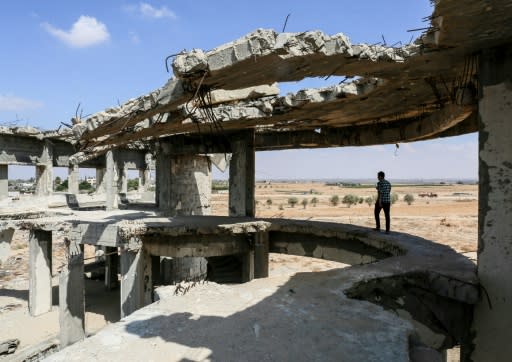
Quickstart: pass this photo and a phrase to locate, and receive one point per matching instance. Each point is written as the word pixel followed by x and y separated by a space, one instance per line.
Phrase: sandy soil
pixel 450 218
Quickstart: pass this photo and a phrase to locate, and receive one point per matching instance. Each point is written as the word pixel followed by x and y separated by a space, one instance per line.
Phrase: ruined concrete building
pixel 455 79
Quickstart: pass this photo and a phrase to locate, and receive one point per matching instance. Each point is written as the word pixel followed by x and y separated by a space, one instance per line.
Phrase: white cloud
pixel 12 103
pixel 150 11
pixel 134 37
pixel 85 32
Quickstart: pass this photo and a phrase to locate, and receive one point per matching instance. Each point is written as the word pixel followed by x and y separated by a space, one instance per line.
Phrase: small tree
pixel 133 184
pixel 350 200
pixel 84 185
pixel 360 200
pixel 409 198
pixel 269 203
pixel 314 201
pixel 394 197
pixel 370 200
pixel 281 207
pixel 63 186
pixel 334 200
pixel 292 201
pixel 304 203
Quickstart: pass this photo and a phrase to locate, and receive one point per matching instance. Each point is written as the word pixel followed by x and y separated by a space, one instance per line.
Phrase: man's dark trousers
pixel 386 206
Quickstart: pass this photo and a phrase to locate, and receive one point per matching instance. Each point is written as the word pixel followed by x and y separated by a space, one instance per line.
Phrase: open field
pixel 450 218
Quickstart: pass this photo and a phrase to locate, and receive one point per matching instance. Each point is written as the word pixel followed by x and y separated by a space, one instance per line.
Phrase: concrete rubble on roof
pixel 428 287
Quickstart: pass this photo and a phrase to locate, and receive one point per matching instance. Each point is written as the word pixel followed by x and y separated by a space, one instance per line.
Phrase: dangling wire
pixel 397 146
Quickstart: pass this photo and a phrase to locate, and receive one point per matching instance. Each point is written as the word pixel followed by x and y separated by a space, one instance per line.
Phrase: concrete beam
pixel 196 245
pixel 136 283
pixel 492 319
pixel 5 244
pixel 365 135
pixel 40 272
pixel 72 297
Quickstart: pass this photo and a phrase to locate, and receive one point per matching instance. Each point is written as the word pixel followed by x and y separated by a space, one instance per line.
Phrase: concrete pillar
pixel 175 270
pixel 72 297
pixel 111 268
pixel 4 182
pixel 136 283
pixel 5 244
pixel 40 272
pixel 241 193
pixel 123 179
pixel 44 172
pixel 242 175
pixel 163 184
pixel 100 184
pixel 73 179
pixel 261 258
pixel 111 177
pixel 191 186
pixel 492 322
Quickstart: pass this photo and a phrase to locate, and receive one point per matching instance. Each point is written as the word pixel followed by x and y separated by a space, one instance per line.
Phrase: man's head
pixel 381 175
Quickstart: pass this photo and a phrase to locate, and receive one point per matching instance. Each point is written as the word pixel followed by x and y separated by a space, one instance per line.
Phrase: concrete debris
pixel 9 346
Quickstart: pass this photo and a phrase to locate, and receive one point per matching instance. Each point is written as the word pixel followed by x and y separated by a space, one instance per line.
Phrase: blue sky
pixel 57 54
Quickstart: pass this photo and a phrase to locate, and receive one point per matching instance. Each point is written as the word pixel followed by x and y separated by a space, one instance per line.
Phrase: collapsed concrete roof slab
pixel 406 83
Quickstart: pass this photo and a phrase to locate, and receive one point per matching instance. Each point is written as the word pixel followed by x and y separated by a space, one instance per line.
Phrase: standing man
pixel 383 201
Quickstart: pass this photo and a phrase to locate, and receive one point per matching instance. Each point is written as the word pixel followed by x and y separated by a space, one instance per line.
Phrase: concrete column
pixel 242 176
pixel 163 184
pixel 112 198
pixel 492 323
pixel 261 249
pixel 111 268
pixel 241 193
pixel 136 283
pixel 123 179
pixel 191 186
pixel 44 172
pixel 72 297
pixel 5 244
pixel 100 184
pixel 40 272
pixel 4 182
pixel 175 270
pixel 73 179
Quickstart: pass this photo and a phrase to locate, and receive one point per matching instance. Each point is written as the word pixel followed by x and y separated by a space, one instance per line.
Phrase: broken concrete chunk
pixel 222 96
pixel 192 62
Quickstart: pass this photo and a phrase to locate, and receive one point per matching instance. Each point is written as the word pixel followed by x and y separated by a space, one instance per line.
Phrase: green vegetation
pixel 133 184
pixel 334 200
pixel 85 186
pixel 63 186
pixel 269 202
pixel 304 203
pixel 350 200
pixel 218 185
pixel 370 200
pixel 314 201
pixel 394 198
pixel 409 198
pixel 292 201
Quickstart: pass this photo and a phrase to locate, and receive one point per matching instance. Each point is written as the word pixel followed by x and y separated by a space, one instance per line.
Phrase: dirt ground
pixel 450 218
